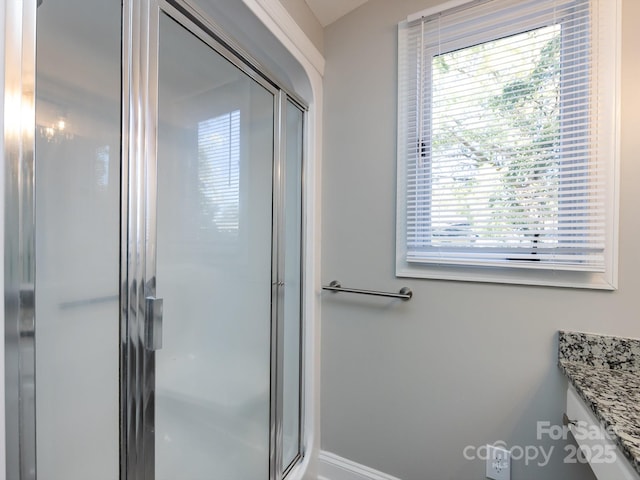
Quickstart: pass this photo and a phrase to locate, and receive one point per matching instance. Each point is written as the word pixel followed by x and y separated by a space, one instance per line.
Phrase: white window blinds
pixel 504 155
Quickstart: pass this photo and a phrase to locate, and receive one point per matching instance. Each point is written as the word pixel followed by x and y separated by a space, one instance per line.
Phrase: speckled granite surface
pixel 605 372
pixel 602 351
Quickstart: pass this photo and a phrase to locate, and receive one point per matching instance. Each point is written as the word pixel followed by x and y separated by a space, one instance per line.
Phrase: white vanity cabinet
pixel 604 456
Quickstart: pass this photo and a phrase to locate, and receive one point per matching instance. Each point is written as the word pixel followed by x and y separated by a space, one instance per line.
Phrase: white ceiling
pixel 328 11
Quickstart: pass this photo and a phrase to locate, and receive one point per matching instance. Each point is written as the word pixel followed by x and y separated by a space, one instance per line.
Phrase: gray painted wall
pixel 305 18
pixel 406 386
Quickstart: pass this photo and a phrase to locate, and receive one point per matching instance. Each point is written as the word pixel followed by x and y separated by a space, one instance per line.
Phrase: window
pixel 507 142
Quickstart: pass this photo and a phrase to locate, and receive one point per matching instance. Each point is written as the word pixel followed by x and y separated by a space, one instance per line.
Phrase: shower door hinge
pixel 153 321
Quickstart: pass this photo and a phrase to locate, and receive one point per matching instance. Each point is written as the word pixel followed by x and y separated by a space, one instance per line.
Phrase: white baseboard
pixel 333 467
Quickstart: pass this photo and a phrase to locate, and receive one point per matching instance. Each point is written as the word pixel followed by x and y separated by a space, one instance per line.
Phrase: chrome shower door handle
pixel 153 323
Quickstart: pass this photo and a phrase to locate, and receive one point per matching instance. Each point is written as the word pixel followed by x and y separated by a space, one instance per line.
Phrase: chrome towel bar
pixel 405 293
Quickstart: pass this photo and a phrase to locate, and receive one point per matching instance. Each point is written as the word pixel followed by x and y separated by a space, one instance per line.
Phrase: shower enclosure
pixel 154 317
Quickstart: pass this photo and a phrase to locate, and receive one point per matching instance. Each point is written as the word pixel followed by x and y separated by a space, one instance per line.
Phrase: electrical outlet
pixel 498 463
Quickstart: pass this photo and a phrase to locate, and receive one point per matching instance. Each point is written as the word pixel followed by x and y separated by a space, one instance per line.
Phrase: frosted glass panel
pixel 215 155
pixel 77 239
pixel 292 274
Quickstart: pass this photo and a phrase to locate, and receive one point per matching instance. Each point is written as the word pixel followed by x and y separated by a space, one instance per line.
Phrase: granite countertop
pixel 605 372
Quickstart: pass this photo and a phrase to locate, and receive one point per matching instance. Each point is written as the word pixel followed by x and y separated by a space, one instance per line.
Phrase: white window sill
pixel 554 278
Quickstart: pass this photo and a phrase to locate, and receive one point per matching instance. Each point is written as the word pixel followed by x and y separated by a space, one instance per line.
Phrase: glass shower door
pixel 214 264
pixel 77 225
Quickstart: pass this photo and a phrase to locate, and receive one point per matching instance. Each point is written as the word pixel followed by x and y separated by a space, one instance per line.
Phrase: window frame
pixel 607 56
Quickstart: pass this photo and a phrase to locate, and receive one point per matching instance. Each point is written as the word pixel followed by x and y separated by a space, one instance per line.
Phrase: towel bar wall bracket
pixel 405 293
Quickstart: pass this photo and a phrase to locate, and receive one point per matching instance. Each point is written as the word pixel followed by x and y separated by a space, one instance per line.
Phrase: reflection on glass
pixel 215 155
pixel 219 172
pixel 77 239
pixel 292 294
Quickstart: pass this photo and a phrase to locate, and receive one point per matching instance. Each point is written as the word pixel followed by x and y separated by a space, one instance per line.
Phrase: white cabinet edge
pixel 621 468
